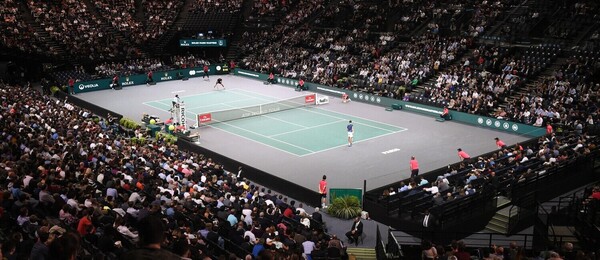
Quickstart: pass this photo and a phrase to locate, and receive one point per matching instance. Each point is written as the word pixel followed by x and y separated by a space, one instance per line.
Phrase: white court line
pixel 224 103
pixel 155 107
pixel 191 95
pixel 366 119
pixel 358 123
pixel 340 114
pixel 354 142
pixel 250 139
pixel 187 118
pixel 272 99
pixel 283 142
pixel 178 91
pixel 265 99
pixel 265 115
pixel 308 127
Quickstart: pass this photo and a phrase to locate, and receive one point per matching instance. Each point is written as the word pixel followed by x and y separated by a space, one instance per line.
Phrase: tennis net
pixel 257 110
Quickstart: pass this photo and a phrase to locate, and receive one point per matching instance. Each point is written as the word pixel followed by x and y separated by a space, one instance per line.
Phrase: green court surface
pixel 299 131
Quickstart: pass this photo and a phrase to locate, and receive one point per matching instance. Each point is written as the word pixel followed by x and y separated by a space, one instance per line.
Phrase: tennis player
pixel 219 82
pixel 350 128
pixel 175 101
pixel 345 98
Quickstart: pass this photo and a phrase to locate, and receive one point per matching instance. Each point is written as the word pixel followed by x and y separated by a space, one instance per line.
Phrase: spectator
pixel 151 238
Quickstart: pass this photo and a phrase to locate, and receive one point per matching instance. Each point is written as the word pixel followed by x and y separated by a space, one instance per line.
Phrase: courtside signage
pixel 322 100
pixel 249 74
pixel 140 79
pixel 203 43
pixel 205 118
pixel 310 99
pixel 487 122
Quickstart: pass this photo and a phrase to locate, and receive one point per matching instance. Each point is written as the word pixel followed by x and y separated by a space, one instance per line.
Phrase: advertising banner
pixel 203 43
pixel 204 118
pixel 159 76
pixel 475 120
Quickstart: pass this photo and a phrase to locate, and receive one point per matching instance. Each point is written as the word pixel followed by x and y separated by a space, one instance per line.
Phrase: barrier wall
pixel 159 76
pixel 470 119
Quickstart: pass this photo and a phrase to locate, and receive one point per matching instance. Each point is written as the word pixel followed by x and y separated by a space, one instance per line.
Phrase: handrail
pixel 379 247
pixel 548 223
pixel 393 247
pixel 513 220
pixel 479 240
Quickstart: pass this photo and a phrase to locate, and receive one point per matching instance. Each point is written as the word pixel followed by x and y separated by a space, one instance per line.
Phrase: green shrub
pixel 168 138
pixel 346 207
pixel 128 123
pixel 54 89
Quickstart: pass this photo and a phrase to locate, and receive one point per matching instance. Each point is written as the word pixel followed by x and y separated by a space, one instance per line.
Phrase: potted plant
pixel 345 207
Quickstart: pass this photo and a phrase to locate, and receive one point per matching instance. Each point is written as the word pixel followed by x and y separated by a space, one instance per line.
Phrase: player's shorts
pixel 350 134
pixel 323 195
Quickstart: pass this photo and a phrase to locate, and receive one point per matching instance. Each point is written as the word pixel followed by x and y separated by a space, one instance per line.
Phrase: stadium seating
pixel 459 54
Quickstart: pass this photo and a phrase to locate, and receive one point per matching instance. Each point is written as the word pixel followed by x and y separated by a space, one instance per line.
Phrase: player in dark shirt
pixel 219 82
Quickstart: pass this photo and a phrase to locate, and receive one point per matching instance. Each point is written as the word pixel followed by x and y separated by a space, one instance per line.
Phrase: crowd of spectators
pixel 361 58
pixel 216 6
pixel 121 15
pixel 160 16
pixel 266 8
pixel 350 15
pixel 17 34
pixel 188 61
pixel 414 13
pixel 68 176
pixel 70 23
pixel 130 67
pixel 497 173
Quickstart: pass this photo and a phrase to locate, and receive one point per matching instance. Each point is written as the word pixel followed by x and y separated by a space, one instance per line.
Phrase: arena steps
pixel 499 222
pixel 42 34
pixel 361 253
pixel 114 33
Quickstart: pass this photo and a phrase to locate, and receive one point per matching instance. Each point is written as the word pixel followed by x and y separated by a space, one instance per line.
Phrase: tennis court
pixel 282 143
pixel 295 129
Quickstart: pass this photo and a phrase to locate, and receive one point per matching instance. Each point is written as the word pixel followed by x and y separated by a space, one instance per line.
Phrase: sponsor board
pixel 205 118
pixel 423 109
pixel 322 100
pixel 331 91
pixel 202 42
pixel 310 99
pixel 254 75
pixel 127 82
pixel 182 121
pixel 166 77
pixel 88 86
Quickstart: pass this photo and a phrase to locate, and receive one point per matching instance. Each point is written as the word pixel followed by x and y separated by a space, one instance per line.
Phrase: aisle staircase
pixel 358 253
pixel 113 33
pixel 42 34
pixel 528 88
pixel 160 45
pixel 499 222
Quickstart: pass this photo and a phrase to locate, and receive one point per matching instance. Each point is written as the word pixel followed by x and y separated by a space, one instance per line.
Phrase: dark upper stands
pixel 17 34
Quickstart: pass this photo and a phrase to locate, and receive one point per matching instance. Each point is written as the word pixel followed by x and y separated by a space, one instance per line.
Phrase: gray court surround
pixel 379 161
